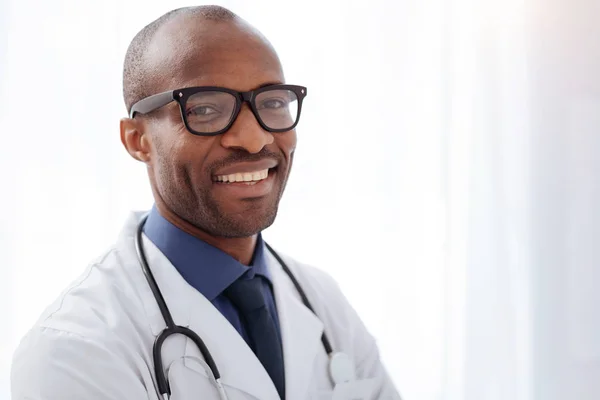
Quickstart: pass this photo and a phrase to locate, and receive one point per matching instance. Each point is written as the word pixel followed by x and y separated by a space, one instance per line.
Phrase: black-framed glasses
pixel 211 110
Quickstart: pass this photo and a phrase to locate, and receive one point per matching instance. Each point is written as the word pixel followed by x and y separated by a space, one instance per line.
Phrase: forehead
pixel 191 51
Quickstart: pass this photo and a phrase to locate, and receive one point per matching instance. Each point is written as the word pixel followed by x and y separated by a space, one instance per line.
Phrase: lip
pixel 242 167
pixel 242 190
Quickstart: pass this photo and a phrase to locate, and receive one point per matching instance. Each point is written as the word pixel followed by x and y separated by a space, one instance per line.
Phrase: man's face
pixel 188 172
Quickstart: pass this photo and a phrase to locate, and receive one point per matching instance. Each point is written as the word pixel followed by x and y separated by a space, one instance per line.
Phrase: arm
pixel 51 364
pixel 361 344
pixel 369 365
pixel 366 353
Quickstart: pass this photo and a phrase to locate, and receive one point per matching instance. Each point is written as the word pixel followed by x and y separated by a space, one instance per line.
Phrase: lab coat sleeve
pixel 368 361
pixel 370 366
pixel 364 346
pixel 51 364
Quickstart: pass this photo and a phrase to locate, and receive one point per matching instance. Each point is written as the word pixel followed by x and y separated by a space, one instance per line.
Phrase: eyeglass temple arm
pixel 151 103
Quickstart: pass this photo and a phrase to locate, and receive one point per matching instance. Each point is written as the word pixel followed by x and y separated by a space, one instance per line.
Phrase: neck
pixel 242 249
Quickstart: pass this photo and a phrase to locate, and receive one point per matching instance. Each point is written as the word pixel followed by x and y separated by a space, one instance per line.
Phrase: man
pixel 213 120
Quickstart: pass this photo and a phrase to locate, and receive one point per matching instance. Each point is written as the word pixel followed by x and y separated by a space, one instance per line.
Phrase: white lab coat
pixel 95 341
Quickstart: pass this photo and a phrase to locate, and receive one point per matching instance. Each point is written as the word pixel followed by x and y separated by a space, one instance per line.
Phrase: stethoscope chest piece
pixel 341 368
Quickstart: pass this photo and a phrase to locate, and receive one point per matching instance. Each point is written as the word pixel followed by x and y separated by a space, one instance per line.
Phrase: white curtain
pixel 444 175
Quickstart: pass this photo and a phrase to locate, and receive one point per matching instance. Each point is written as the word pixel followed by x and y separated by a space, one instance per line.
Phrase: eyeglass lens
pixel 209 112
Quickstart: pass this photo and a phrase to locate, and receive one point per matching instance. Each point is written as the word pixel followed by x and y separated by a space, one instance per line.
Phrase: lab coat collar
pixel 301 330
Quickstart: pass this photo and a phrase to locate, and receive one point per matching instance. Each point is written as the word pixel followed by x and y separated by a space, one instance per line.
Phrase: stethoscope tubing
pixel 172 328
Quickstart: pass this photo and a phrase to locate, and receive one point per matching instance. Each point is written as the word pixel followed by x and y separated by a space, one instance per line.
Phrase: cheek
pixel 186 153
pixel 167 125
pixel 287 143
pixel 164 164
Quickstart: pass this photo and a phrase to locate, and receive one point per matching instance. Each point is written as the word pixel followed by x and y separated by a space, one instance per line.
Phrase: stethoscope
pixel 341 368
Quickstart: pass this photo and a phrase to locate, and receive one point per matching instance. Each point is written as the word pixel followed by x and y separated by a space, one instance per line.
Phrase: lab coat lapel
pixel 301 331
pixel 238 365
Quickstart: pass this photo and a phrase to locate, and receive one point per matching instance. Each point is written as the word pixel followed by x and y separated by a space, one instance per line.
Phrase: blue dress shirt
pixel 210 270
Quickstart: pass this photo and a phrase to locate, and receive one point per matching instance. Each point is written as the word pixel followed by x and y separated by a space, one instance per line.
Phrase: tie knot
pixel 246 294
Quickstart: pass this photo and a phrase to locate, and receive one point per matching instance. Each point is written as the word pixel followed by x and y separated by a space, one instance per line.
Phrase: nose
pixel 246 133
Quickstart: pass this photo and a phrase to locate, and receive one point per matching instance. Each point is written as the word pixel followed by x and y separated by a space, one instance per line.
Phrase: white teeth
pixel 244 177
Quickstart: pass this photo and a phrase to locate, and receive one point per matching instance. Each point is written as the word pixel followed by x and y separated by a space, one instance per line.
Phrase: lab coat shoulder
pixel 100 303
pixel 76 349
pixel 58 365
pixel 343 325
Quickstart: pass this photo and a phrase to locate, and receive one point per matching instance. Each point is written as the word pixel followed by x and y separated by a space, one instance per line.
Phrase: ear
pixel 135 141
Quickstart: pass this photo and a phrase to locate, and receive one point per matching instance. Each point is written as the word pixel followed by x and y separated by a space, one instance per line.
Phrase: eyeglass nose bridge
pixel 247 96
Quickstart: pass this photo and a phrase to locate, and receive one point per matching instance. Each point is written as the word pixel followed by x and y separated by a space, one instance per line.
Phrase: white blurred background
pixel 445 175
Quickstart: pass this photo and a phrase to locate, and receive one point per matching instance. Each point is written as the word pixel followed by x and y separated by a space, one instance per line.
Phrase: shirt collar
pixel 206 268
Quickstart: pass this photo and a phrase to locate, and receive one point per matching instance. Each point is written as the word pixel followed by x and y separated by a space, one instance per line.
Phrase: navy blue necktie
pixel 246 295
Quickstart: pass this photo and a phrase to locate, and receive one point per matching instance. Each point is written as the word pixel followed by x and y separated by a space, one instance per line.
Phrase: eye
pixel 201 111
pixel 273 104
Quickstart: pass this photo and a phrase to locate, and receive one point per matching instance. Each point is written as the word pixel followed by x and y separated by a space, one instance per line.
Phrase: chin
pixel 243 223
pixel 253 224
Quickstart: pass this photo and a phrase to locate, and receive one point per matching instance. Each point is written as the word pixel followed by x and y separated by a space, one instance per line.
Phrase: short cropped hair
pixel 135 73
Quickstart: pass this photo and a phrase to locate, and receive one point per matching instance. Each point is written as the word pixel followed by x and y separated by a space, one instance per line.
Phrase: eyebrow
pixel 270 84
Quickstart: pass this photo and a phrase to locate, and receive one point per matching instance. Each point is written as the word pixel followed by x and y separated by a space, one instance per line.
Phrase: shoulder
pixel 341 321
pixel 55 364
pixel 316 282
pixel 94 328
pixel 315 275
pixel 326 297
pixel 100 305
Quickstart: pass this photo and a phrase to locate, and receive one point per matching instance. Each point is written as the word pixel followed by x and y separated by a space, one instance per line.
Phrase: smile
pixel 249 178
